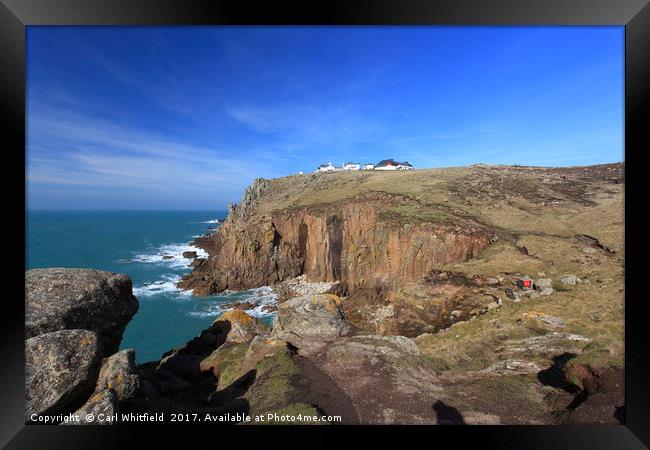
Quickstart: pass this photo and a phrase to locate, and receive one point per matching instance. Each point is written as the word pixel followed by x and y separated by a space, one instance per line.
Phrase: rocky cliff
pixel 360 242
pixel 74 321
pixel 357 241
pixel 380 235
pixel 424 322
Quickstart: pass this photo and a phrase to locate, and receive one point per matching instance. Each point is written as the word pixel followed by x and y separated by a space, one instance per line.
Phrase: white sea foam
pixel 173 250
pixel 207 307
pixel 211 310
pixel 261 297
pixel 167 284
pixel 209 221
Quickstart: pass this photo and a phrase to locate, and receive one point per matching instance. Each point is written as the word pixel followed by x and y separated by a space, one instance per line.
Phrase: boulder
pixel 242 327
pixel 61 369
pixel 311 317
pixel 118 373
pixel 543 283
pixel 167 256
pixel 546 291
pixel 102 407
pixel 570 280
pixel 65 299
pixel 189 255
pixel 589 250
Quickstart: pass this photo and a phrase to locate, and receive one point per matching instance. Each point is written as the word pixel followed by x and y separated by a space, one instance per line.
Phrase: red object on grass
pixel 524 283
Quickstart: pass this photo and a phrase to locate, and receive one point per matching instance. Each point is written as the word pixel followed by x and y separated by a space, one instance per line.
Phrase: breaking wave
pixel 261 297
pixel 170 257
pixel 166 285
pixel 171 254
pixel 209 221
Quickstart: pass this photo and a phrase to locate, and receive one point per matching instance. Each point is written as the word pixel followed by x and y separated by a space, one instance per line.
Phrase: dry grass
pixel 541 209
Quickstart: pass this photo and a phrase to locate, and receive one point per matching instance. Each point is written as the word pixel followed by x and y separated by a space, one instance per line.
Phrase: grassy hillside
pixel 546 218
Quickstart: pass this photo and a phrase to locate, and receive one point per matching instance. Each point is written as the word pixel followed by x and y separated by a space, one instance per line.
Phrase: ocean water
pixel 134 242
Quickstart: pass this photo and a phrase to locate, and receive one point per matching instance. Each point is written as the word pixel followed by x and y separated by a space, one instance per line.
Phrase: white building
pixel 325 168
pixel 386 164
pixel 351 166
pixel 389 164
pixel 368 166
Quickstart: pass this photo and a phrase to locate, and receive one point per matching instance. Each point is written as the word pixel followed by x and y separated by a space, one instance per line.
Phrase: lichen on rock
pixel 64 299
pixel 60 370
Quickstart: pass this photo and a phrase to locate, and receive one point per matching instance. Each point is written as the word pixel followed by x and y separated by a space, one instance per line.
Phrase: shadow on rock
pixel 447 415
pixel 229 399
pixel 554 375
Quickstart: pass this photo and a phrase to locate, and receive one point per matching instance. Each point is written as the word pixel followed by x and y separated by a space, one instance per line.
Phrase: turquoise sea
pixel 134 242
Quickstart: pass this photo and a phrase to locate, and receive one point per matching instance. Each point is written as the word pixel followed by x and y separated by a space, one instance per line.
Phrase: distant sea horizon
pixel 134 241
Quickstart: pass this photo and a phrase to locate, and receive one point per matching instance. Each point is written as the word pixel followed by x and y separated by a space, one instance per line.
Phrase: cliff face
pixel 363 242
pixel 381 236
pixel 353 241
pixel 428 309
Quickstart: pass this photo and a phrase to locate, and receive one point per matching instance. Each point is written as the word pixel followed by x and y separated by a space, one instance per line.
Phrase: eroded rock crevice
pixel 370 253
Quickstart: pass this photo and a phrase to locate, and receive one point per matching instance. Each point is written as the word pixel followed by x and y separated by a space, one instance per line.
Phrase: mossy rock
pixel 277 382
pixel 226 363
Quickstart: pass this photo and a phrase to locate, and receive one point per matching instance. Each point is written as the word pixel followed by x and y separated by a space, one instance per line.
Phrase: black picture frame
pixel 15 15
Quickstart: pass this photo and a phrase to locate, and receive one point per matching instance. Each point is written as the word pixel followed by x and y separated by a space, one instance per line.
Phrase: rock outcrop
pixel 66 299
pixel 377 237
pixel 357 244
pixel 74 324
pixel 398 305
pixel 367 367
pixel 241 327
pixel 431 304
pixel 312 318
pixel 103 405
pixel 280 371
pixel 118 373
pixel 60 370
pixel 355 241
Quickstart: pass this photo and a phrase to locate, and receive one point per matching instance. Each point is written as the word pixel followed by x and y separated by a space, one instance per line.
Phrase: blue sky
pixel 186 117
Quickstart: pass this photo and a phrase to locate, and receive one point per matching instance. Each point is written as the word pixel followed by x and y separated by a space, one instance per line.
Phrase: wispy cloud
pixel 309 124
pixel 199 113
pixel 71 149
